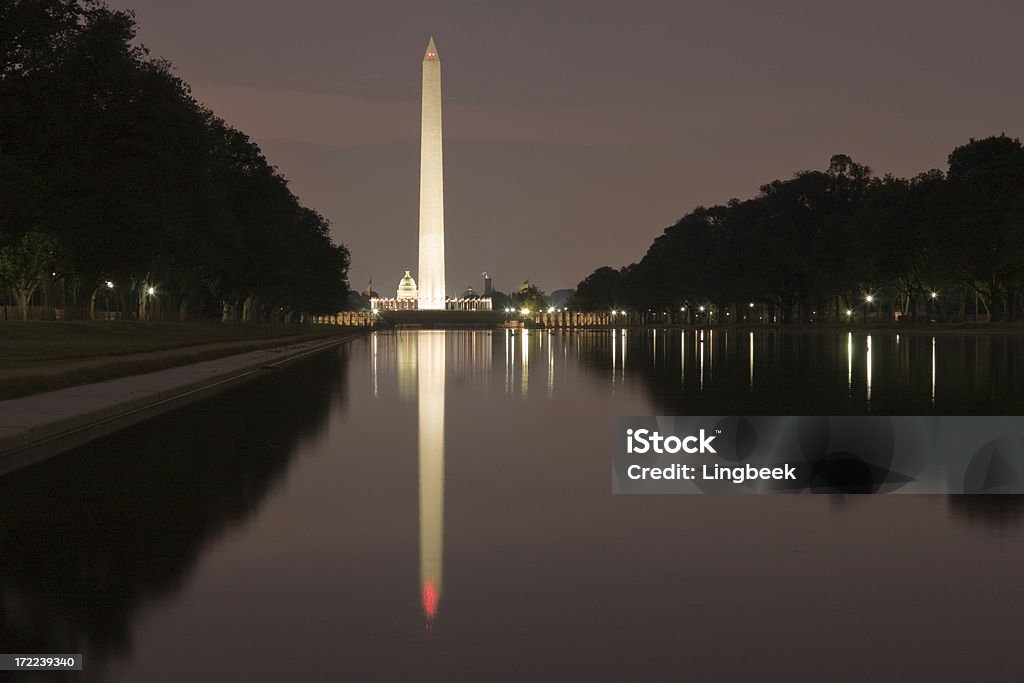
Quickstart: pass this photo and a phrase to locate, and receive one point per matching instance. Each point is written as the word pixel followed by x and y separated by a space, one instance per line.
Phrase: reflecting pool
pixel 436 505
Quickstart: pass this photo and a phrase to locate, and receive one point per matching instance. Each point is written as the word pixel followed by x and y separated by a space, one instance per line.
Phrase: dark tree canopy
pixel 819 244
pixel 104 150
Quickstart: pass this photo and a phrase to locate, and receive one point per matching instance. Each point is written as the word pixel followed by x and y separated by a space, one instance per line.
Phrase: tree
pixel 599 291
pixel 139 184
pixel 24 264
pixel 983 225
pixel 817 244
pixel 531 298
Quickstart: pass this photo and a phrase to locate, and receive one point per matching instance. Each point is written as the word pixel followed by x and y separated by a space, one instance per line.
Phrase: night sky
pixel 575 132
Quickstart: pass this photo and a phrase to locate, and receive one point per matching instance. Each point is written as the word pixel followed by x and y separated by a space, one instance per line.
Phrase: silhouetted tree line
pixel 118 188
pixel 842 244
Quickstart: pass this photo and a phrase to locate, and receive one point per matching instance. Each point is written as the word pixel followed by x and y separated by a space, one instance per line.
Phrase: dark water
pixel 437 506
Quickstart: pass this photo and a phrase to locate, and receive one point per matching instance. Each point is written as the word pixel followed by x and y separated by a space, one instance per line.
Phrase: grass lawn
pixel 42 356
pixel 36 344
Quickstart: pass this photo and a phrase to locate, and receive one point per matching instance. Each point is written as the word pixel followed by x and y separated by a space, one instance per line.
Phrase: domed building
pixel 407 299
pixel 407 287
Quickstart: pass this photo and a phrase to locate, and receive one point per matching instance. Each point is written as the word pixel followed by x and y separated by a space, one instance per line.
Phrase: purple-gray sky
pixel 577 131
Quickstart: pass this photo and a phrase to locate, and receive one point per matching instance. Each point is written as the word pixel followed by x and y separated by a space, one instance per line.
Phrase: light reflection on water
pixel 436 506
pixel 795 372
pixel 826 372
pixel 959 373
pixel 867 352
pixel 750 342
pixel 430 359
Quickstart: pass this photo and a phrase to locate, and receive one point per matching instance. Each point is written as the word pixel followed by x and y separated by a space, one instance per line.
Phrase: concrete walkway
pixel 38 426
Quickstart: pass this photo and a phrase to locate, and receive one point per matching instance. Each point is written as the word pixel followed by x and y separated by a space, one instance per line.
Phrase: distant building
pixel 407 287
pixel 559 297
pixel 431 293
pixel 407 299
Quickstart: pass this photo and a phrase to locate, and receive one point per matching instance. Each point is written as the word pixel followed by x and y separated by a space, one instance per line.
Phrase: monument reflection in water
pixel 430 363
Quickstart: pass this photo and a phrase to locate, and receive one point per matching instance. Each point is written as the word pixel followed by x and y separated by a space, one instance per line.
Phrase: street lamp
pixel 106 299
pixel 148 302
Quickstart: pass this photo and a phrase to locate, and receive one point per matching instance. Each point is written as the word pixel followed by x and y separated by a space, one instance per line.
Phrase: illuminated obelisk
pixel 431 266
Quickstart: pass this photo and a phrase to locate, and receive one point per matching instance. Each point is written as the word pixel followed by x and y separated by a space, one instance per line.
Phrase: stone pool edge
pixel 39 426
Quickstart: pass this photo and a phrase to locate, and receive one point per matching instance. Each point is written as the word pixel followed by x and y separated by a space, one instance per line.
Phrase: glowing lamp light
pixel 110 285
pixel 151 291
pixel 525 311
pixel 751 304
pixel 551 309
pixel 701 309
pixel 375 311
pixel 849 312
pixel 935 295
pixel 869 298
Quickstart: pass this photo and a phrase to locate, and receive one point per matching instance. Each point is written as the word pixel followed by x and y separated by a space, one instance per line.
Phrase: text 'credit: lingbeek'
pixel 819 454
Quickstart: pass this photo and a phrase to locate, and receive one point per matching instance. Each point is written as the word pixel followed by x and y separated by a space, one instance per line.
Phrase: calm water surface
pixel 437 506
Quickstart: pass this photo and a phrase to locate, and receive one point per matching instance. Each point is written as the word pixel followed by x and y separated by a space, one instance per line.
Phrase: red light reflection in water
pixel 429 599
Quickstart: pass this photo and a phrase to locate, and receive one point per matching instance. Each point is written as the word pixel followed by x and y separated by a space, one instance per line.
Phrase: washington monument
pixel 431 266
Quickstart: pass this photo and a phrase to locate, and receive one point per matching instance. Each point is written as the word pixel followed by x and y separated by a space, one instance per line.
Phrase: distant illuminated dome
pixel 407 287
